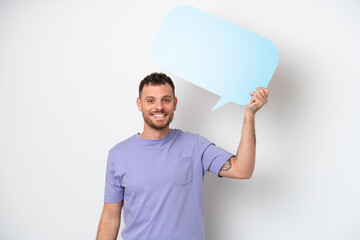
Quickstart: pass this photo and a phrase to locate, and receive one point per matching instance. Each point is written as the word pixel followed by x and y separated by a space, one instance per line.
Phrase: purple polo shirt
pixel 161 183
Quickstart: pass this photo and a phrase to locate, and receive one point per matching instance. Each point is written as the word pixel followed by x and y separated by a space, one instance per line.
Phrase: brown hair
pixel 156 79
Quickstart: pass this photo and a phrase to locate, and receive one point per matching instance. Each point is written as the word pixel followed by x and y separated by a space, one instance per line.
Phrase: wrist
pixel 250 115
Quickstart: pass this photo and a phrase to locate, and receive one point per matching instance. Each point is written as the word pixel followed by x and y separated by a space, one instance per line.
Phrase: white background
pixel 69 75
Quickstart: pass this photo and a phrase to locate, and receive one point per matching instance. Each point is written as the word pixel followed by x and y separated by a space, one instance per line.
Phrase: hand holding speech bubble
pixel 214 54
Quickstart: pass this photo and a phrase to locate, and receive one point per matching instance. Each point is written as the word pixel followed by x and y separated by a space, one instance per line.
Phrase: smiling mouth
pixel 159 116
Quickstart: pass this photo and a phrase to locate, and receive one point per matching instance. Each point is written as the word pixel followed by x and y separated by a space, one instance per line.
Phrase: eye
pixel 150 100
pixel 167 100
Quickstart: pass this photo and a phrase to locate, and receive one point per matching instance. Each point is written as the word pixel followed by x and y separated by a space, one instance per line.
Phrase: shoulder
pixel 193 137
pixel 185 134
pixel 123 145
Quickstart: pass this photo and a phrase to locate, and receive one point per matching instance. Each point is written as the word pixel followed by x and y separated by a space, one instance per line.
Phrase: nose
pixel 159 106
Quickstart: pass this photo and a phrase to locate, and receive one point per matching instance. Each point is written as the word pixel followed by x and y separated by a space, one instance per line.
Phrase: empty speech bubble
pixel 214 54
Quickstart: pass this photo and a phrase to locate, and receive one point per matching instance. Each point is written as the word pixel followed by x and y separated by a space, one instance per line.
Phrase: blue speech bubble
pixel 214 54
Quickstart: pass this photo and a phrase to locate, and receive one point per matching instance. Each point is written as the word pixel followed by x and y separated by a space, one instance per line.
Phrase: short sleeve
pixel 212 157
pixel 114 192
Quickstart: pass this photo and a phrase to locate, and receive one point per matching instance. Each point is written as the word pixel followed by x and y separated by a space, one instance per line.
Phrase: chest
pixel 154 171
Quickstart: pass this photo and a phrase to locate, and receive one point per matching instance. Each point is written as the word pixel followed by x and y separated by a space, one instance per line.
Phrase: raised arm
pixel 110 221
pixel 242 166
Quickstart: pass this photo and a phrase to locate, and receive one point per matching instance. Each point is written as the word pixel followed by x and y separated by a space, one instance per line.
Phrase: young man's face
pixel 157 105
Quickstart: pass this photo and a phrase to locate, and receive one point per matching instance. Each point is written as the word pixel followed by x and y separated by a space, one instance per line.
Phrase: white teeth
pixel 158 115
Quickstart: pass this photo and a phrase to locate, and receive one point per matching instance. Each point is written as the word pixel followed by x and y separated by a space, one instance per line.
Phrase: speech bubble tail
pixel 221 102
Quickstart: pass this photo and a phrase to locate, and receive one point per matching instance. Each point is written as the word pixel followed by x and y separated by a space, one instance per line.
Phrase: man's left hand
pixel 259 99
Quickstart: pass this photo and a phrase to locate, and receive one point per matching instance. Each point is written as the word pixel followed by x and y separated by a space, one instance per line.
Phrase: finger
pixel 259 100
pixel 253 97
pixel 264 89
pixel 267 92
pixel 261 96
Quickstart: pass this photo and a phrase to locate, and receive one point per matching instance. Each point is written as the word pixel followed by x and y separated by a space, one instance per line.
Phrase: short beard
pixel 150 123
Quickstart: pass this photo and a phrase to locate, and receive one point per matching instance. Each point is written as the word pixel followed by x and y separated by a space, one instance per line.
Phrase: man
pixel 157 175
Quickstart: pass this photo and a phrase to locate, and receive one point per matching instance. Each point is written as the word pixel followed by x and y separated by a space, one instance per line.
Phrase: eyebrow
pixel 162 97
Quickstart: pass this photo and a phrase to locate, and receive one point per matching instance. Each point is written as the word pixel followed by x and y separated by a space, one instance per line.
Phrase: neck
pixel 151 133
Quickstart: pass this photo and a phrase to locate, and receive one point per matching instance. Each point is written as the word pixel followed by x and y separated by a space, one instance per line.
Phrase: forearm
pixel 108 228
pixel 245 157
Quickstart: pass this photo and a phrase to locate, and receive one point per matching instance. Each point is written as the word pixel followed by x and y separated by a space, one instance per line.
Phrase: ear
pixel 175 103
pixel 138 103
